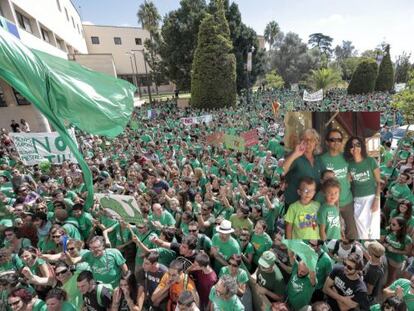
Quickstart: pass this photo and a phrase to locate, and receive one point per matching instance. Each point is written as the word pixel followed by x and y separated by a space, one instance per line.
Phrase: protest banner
pixel 234 142
pixel 123 207
pixel 197 120
pixel 215 139
pixel 398 87
pixel 251 138
pixel 313 97
pixel 34 148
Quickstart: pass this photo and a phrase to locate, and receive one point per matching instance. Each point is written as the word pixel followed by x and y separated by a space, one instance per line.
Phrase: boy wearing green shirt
pixel 328 214
pixel 403 289
pixel 301 217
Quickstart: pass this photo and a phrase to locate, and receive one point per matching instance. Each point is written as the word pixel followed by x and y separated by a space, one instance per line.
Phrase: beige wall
pixel 99 62
pixel 106 45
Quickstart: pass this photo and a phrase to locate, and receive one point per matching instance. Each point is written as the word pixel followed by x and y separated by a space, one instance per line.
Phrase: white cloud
pixel 87 23
pixel 125 25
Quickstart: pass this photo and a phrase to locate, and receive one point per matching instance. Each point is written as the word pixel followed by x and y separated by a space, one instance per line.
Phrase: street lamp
pixel 149 82
pixel 249 70
pixel 134 72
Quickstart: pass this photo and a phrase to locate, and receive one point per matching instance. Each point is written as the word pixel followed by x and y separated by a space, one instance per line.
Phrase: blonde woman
pixel 302 162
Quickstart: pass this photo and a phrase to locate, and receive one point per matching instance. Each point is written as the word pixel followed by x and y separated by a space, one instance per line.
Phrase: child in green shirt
pixel 301 217
pixel 328 215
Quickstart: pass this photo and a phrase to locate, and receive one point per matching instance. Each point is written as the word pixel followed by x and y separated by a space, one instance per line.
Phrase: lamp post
pixel 136 70
pixel 134 73
pixel 248 71
pixel 149 82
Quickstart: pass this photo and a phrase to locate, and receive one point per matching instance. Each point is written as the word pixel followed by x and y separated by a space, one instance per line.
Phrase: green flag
pixel 304 251
pixel 65 91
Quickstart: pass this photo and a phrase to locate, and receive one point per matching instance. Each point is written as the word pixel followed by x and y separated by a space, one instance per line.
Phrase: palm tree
pixel 271 31
pixel 149 18
pixel 324 78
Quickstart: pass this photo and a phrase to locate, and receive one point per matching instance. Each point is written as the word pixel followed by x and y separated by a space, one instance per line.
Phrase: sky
pixel 366 23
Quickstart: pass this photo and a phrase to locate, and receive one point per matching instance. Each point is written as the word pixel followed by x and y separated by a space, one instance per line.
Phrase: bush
pixel 385 79
pixel 364 77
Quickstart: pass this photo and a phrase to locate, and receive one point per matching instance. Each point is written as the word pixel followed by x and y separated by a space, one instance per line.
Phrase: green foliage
pixel 322 42
pixel 213 80
pixel 179 34
pixel 271 32
pixel 243 39
pixel 273 80
pixel 402 67
pixel 364 77
pixel 404 102
pixel 385 79
pixel 324 78
pixel 293 60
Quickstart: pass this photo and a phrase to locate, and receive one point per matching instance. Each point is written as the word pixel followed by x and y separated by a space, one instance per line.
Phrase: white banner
pixel 398 87
pixel 197 120
pixel 313 97
pixel 34 148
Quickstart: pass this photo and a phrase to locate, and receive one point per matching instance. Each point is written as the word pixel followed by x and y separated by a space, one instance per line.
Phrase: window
pixel 58 5
pixel 45 35
pixel 95 40
pixel 117 40
pixel 60 44
pixel 24 22
pixel 138 41
pixel 77 25
pixel 73 23
pixel 20 99
pixel 67 15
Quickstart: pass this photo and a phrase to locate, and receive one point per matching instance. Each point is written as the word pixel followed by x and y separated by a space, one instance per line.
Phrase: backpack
pixel 99 288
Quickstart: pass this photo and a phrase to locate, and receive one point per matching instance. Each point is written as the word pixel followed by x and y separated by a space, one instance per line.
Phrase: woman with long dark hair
pixel 366 188
pixel 398 245
pixel 125 296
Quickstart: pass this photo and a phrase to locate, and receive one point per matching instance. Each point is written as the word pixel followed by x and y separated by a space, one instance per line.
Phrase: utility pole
pixel 136 77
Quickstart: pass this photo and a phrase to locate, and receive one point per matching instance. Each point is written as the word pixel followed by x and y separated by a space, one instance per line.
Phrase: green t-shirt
pixel 328 215
pixel 14 264
pixel 407 292
pixel 85 224
pixel 388 172
pixel 241 223
pixel 39 305
pixel 376 307
pixel 166 219
pixel 74 295
pixel 166 255
pixel 261 243
pixel 106 268
pixel 224 248
pixel 146 240
pixel 397 191
pixel 242 276
pixel 339 165
pixel 67 306
pixel 363 179
pixel 233 304
pixel 391 239
pixel 304 220
pixel 272 281
pixel 71 228
pixel 299 289
pixel 323 269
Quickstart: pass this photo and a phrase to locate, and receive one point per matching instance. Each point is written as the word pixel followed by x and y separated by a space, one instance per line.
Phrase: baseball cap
pixel 267 259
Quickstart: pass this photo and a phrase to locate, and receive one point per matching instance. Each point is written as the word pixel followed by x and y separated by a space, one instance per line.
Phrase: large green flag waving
pixel 65 91
pixel 304 251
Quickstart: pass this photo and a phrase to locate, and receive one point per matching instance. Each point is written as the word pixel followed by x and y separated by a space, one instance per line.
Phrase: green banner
pixel 120 207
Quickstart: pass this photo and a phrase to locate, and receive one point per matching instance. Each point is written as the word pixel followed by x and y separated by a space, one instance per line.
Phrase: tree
pixel 324 78
pixel 402 67
pixel 322 42
pixel 179 40
pixel 364 77
pixel 273 80
pixel 346 50
pixel 404 101
pixel 293 60
pixel 149 17
pixel 213 80
pixel 385 79
pixel 271 32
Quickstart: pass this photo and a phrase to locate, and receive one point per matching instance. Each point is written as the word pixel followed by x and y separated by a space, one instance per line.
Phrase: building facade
pixel 54 27
pixel 126 45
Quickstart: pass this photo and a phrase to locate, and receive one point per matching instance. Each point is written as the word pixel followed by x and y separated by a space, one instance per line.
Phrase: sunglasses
pixel 192 230
pixel 140 228
pixel 356 145
pixel 335 140
pixel 61 272
pixel 71 249
pixel 349 267
pixel 307 190
pixel 234 265
pixel 14 303
pixel 56 236
pixel 243 240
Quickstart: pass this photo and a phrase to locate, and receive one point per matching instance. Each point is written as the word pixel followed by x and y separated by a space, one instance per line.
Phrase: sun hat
pixel 267 259
pixel 225 227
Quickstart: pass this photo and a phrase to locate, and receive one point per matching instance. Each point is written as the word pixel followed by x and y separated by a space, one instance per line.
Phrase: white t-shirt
pixel 342 253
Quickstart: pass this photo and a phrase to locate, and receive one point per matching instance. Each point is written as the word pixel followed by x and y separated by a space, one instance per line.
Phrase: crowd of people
pixel 214 219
